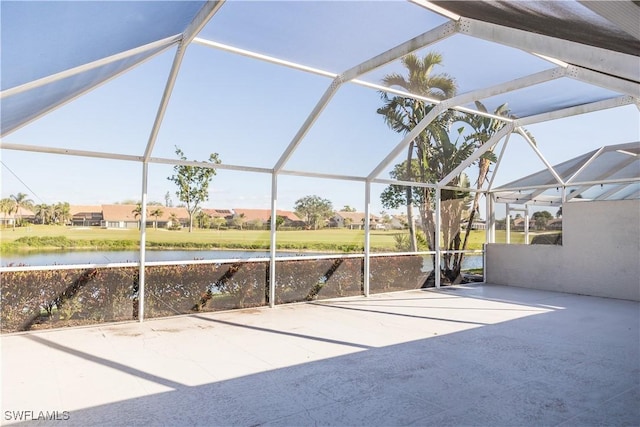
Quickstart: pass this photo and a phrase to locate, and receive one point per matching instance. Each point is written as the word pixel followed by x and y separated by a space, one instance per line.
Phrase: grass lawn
pixel 325 238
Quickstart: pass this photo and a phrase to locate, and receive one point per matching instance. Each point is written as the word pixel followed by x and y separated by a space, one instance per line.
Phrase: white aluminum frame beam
pixel 602 60
pixel 540 155
pixel 199 21
pixel 622 86
pixel 465 98
pixel 332 75
pixel 164 43
pixel 495 169
pixel 611 192
pixel 585 165
pixel 62 103
pixel 576 110
pixel 601 179
pixel 506 130
pixel 439 33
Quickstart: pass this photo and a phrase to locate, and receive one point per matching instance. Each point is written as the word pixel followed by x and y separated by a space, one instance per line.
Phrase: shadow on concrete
pixel 574 366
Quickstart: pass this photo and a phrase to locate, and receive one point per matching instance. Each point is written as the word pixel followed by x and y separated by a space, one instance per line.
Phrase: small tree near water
pixel 193 183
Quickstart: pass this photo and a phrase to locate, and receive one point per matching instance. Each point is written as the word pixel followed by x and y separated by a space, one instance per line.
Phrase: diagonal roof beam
pixel 62 102
pixel 425 39
pixel 506 130
pixel 594 58
pixel 611 192
pixel 550 168
pixel 159 44
pixel 301 67
pixel 602 178
pixel 199 21
pixel 413 134
pixel 464 98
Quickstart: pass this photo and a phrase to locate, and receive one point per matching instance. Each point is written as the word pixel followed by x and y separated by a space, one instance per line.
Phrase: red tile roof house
pixel 24 214
pixel 123 216
pixel 355 220
pixel 86 215
pixel 262 217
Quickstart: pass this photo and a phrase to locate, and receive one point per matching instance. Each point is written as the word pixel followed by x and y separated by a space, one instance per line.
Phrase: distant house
pixel 355 221
pixel 218 213
pixel 119 216
pixel 554 224
pixel 123 216
pixel 26 215
pixel 11 219
pixel 86 215
pixel 263 217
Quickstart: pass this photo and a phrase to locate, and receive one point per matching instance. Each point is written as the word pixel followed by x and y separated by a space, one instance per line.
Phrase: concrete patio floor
pixel 466 355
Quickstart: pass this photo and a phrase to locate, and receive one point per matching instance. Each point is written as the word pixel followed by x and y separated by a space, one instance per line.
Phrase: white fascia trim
pixel 164 43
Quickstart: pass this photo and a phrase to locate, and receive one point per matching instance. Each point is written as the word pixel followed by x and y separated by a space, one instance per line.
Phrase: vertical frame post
pixel 526 225
pixel 143 241
pixel 272 244
pixel 436 240
pixel 507 225
pixel 367 237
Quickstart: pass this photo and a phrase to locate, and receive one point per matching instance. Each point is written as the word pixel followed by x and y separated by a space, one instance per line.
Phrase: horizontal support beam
pixel 322 175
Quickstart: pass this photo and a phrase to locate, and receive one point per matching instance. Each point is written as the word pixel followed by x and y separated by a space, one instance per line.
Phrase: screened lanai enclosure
pixel 440 123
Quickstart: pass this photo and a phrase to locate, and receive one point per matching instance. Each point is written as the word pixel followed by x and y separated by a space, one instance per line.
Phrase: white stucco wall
pixel 600 254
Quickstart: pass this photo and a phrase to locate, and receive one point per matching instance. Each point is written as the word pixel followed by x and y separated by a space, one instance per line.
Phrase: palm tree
pixel 156 213
pixel 42 212
pixel 62 212
pixel 21 201
pixel 403 114
pixel 137 212
pixel 6 207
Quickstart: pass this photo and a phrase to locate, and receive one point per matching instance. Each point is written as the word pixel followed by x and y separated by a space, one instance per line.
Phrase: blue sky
pixel 248 111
